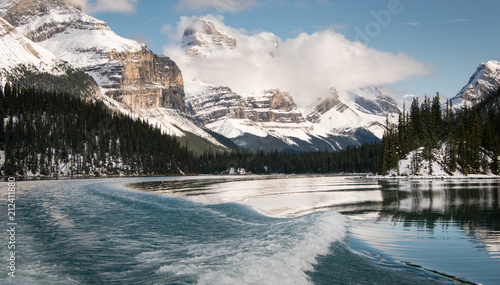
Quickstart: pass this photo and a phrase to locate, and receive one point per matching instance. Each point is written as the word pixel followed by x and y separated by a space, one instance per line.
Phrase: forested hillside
pixel 52 134
pixel 465 140
pixel 49 134
pixel 72 81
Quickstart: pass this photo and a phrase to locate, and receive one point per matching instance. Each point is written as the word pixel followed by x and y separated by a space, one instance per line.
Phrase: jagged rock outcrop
pixel 380 106
pixel 361 109
pixel 216 103
pixel 273 106
pixel 141 80
pixel 125 70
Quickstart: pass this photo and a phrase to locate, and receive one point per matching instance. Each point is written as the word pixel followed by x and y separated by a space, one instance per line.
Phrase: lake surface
pixel 256 230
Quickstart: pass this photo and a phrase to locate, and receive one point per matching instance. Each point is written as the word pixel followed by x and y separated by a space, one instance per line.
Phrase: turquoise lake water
pixel 256 230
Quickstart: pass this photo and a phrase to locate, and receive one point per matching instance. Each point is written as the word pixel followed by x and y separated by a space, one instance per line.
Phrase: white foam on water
pixel 282 255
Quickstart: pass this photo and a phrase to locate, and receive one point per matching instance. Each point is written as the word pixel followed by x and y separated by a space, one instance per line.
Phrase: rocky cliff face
pixel 215 103
pixel 219 103
pixel 273 106
pixel 125 70
pixel 141 80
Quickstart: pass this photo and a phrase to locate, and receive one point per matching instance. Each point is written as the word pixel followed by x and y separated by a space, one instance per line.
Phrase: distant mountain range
pixel 54 37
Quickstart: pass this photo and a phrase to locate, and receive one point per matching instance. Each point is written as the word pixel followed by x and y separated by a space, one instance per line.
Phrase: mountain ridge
pixel 134 80
pixel 118 65
pixel 131 78
pixel 237 114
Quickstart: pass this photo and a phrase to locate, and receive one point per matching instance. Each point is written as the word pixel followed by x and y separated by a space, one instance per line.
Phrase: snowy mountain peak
pixel 323 105
pixel 26 15
pixel 131 77
pixel 371 100
pixel 62 28
pixel 202 39
pixel 484 82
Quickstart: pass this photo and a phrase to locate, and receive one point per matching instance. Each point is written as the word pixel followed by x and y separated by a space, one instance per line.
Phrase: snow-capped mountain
pixel 25 63
pixel 484 82
pixel 62 28
pixel 132 78
pixel 124 69
pixel 270 118
pixel 201 38
pixel 364 108
pixel 17 52
pixel 263 121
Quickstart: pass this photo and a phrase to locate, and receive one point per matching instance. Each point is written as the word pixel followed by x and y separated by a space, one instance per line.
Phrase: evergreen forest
pixel 51 134
pixel 468 137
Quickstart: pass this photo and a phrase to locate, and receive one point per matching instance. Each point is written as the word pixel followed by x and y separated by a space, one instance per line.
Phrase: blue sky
pixel 450 37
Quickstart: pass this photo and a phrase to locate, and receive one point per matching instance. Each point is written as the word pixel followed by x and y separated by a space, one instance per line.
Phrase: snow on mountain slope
pixel 267 120
pixel 170 121
pixel 203 39
pixel 125 70
pixel 361 108
pixel 62 28
pixel 16 51
pixel 484 82
pixel 240 109
pixel 271 115
pixel 134 80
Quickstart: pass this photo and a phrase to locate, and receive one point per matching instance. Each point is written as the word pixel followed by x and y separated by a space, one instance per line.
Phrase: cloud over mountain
pixel 306 66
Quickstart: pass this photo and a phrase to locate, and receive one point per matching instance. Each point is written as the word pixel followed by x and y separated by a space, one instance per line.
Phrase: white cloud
pixel 306 65
pixel 232 6
pixel 96 6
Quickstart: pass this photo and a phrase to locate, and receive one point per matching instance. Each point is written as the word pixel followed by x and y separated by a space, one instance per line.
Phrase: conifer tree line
pixel 352 159
pixel 469 136
pixel 52 134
